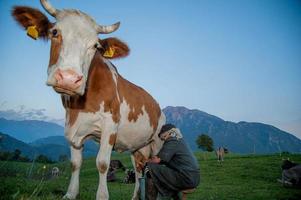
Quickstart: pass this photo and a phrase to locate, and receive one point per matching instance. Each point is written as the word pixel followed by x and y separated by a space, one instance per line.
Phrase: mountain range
pixel 30 130
pixel 21 113
pixel 243 137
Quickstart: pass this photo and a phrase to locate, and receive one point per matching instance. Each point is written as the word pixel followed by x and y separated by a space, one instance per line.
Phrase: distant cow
pixel 220 153
pixel 291 174
pixel 130 176
pixel 55 172
pixel 116 164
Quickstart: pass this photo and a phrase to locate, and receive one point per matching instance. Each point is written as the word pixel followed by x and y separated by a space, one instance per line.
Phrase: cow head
pixel 74 42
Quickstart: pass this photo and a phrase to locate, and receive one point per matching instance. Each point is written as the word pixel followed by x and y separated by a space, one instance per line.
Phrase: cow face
pixel 74 41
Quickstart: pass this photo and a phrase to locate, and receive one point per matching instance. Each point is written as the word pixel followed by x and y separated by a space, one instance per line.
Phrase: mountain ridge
pixel 241 137
pixel 30 130
pixel 52 147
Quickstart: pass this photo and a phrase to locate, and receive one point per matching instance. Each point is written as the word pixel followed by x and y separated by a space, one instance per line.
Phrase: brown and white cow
pixel 99 102
pixel 220 153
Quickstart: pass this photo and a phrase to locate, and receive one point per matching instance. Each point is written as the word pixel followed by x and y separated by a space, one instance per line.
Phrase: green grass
pixel 247 177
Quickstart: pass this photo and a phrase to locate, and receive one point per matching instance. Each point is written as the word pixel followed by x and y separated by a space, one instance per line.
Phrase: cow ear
pixel 33 20
pixel 113 48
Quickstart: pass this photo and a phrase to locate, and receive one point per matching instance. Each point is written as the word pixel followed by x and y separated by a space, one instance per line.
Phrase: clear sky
pixel 239 60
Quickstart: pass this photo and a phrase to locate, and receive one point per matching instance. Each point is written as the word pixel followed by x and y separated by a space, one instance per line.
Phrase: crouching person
pixel 175 168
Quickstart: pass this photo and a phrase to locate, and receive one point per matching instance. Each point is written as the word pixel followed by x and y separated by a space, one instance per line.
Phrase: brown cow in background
pixel 220 153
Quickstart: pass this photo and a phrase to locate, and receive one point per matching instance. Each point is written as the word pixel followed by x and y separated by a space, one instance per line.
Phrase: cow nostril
pixel 79 78
pixel 59 76
pixel 68 79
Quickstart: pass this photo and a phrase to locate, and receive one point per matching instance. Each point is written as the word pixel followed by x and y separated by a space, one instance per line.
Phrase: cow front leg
pixel 103 163
pixel 76 162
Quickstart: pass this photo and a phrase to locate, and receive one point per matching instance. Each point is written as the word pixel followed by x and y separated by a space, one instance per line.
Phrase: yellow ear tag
pixel 109 53
pixel 32 32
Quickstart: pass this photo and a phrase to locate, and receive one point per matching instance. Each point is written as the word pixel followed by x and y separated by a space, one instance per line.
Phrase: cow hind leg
pixel 137 176
pixel 76 162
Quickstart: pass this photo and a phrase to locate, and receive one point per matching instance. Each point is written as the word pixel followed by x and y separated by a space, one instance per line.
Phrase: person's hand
pixel 155 159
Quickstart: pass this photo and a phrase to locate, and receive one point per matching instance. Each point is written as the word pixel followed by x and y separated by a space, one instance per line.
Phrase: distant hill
pixel 52 147
pixel 242 137
pixel 57 145
pixel 8 143
pixel 30 130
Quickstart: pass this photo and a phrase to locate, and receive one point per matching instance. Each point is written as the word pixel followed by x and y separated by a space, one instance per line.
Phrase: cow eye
pixel 54 32
pixel 98 46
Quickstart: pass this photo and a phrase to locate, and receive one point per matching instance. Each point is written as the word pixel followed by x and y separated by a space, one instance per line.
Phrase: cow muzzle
pixel 67 81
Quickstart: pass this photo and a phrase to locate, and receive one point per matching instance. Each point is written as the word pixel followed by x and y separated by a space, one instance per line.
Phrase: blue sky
pixel 238 60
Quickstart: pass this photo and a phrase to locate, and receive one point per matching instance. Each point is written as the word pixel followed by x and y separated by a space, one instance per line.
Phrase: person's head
pixel 169 130
pixel 164 136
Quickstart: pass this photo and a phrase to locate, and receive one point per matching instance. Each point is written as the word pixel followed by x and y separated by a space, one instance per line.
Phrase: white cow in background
pixel 55 172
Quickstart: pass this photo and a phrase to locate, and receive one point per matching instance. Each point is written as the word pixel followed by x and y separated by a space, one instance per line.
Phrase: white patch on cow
pixel 112 69
pixel 88 124
pixel 78 39
pixel 127 136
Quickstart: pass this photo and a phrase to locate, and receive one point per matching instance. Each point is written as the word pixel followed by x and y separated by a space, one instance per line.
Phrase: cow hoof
pixel 136 197
pixel 69 196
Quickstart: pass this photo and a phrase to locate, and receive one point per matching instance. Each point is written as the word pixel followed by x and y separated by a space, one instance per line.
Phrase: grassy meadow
pixel 245 177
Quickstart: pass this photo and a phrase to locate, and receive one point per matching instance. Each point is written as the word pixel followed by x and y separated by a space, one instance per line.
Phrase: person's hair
pixel 175 132
pixel 166 127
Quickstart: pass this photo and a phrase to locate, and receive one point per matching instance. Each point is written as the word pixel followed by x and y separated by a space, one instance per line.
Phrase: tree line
pixel 205 142
pixel 17 156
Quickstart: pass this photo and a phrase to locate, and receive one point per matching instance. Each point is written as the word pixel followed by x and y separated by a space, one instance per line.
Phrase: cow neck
pixel 100 90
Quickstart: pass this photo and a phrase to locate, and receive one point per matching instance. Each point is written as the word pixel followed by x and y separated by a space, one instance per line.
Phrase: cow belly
pixel 132 140
pixel 132 134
